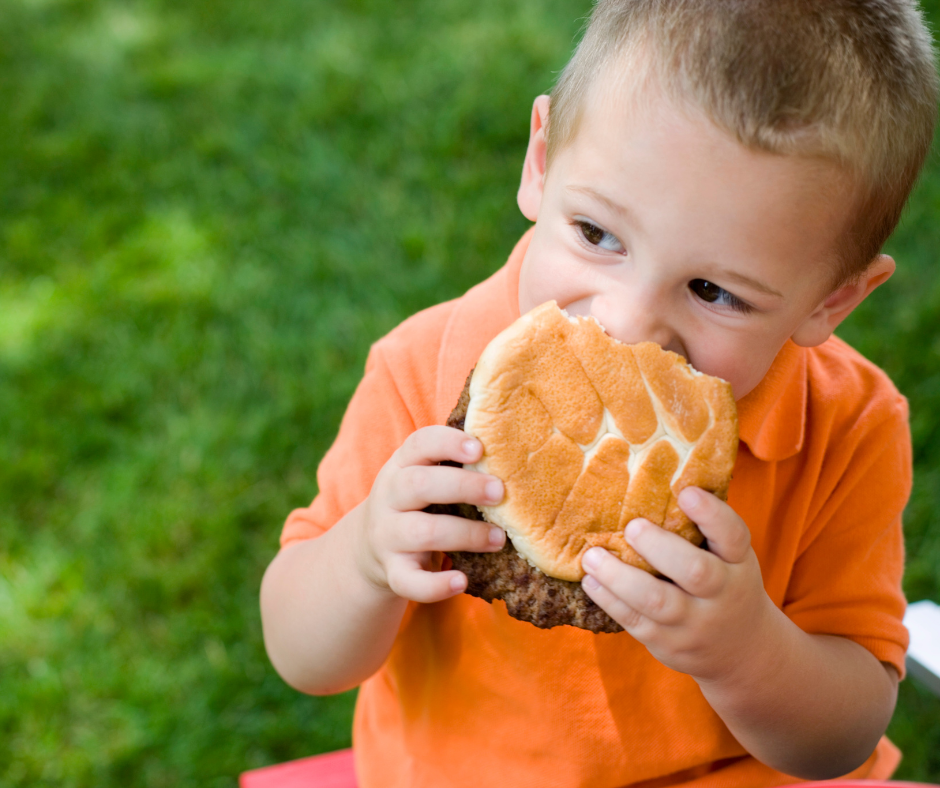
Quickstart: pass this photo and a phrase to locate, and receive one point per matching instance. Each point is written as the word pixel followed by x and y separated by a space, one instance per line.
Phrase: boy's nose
pixel 638 319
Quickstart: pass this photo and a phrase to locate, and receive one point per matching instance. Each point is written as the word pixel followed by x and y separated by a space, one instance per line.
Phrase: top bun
pixel 588 433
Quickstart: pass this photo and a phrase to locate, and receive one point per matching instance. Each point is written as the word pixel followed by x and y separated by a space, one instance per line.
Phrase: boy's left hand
pixel 704 623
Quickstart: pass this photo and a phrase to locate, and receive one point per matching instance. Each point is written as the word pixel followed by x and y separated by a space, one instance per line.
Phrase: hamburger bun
pixel 587 434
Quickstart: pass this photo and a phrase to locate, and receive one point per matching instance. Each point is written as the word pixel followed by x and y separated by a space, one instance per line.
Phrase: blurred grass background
pixel 208 210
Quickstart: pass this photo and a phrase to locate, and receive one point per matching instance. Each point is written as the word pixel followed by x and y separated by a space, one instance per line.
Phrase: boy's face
pixel 665 228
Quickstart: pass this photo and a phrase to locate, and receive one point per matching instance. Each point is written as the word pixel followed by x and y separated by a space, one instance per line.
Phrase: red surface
pixel 335 770
pixel 861 784
pixel 332 770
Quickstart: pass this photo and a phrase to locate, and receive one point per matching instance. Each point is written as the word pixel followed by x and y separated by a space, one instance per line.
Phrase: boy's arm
pixel 326 628
pixel 813 706
pixel 331 606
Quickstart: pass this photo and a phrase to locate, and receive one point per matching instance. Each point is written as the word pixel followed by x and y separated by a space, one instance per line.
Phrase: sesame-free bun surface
pixel 588 433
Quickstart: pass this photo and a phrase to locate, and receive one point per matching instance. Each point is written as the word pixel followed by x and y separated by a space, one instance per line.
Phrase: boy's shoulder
pixel 405 361
pixel 840 379
pixel 418 333
pixel 488 305
pixel 418 348
pixel 430 354
pixel 852 408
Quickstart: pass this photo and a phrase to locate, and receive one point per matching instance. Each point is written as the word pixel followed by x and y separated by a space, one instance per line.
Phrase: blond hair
pixel 850 81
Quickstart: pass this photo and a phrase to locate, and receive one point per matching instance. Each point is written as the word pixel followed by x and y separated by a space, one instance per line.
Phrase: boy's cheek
pixel 547 274
pixel 533 286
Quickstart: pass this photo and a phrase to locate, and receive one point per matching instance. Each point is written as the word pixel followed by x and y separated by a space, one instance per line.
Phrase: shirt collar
pixel 772 417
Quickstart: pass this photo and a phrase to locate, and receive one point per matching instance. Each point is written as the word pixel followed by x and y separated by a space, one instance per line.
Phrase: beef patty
pixel 530 595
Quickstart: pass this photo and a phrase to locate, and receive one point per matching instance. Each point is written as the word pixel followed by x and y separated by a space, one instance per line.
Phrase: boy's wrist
pixel 759 654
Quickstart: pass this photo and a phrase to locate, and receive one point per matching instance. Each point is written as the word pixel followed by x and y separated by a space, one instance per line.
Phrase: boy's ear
pixel 533 169
pixel 838 305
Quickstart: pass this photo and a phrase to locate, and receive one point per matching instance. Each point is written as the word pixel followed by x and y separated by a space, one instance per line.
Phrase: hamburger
pixel 586 434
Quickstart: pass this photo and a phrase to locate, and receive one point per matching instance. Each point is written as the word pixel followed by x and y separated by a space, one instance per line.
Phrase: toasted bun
pixel 588 433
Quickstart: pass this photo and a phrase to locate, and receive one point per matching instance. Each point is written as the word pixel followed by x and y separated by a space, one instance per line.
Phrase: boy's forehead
pixel 630 90
pixel 629 98
pixel 625 94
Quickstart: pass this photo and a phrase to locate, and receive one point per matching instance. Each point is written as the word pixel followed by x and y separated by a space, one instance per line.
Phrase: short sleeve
pixel 375 424
pixel 847 578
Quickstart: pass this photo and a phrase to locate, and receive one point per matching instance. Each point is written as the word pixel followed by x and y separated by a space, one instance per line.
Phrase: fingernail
pixel 689 498
pixel 590 583
pixel 497 536
pixel 494 491
pixel 633 530
pixel 456 584
pixel 470 447
pixel 592 558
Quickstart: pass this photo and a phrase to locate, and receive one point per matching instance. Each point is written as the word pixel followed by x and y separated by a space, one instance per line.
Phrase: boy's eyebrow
pixel 595 195
pixel 744 279
pixel 725 273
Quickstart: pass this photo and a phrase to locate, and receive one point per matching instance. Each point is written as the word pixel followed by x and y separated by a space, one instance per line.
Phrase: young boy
pixel 717 176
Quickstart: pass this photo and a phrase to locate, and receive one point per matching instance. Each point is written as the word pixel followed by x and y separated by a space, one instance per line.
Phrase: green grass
pixel 208 210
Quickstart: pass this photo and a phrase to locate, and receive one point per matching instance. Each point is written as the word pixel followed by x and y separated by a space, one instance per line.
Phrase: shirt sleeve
pixel 375 424
pixel 847 577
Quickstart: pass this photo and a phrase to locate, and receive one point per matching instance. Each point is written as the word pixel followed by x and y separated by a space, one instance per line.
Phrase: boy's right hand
pixel 398 545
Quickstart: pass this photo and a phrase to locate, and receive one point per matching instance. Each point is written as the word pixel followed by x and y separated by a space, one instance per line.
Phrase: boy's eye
pixel 712 294
pixel 597 236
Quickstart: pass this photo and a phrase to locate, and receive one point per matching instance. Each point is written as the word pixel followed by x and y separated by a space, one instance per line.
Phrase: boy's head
pixel 693 145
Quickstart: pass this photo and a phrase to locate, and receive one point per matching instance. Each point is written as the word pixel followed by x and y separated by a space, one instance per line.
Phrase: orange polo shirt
pixel 469 696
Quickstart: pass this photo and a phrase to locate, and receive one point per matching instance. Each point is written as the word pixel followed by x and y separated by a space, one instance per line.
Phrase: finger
pixel 727 534
pixel 417 486
pixel 420 532
pixel 694 570
pixel 407 579
pixel 612 605
pixel 431 445
pixel 638 590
